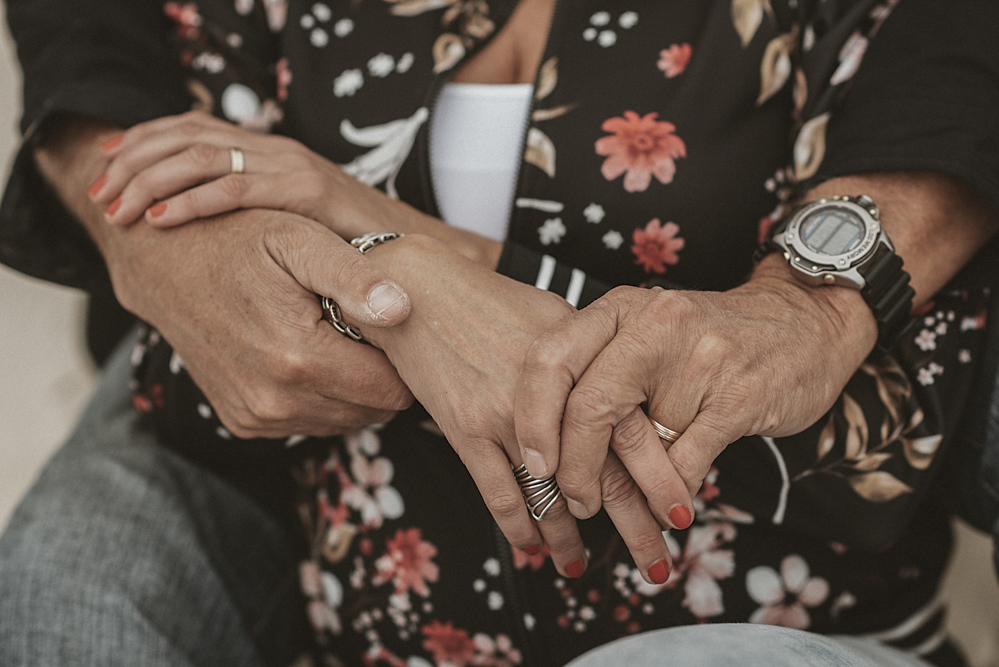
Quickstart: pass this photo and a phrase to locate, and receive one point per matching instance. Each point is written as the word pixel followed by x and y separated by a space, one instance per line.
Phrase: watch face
pixel 831 231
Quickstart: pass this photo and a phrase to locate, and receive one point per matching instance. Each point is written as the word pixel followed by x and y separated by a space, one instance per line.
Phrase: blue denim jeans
pixel 123 554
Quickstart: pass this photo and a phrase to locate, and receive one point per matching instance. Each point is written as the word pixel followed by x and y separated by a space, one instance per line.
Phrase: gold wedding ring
pixel 237 161
pixel 664 432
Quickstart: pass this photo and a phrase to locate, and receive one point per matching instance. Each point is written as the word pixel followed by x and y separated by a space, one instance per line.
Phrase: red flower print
pixel 283 79
pixel 673 61
pixel 407 562
pixel 641 146
pixel 187 18
pixel 657 245
pixel 450 645
pixel 522 559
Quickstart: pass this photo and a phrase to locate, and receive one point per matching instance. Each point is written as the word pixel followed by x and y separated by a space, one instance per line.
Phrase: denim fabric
pixel 743 645
pixel 125 554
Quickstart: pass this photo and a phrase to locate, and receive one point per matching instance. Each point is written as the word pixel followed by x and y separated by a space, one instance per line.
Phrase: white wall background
pixel 46 376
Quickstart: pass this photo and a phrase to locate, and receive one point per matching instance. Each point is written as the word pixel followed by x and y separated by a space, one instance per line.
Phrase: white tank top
pixel 476 136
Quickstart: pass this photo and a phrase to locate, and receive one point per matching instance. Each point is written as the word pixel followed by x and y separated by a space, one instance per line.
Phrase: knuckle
pixel 201 155
pixel 233 187
pixel 618 488
pixel 629 436
pixel 268 407
pixel 546 353
pixel 589 403
pixel 506 506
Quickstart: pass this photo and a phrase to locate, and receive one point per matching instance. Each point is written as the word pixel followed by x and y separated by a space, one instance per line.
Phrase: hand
pixel 177 169
pixel 236 298
pixel 460 352
pixel 768 358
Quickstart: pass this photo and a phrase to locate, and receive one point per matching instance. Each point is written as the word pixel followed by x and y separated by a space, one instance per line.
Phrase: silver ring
pixel 237 161
pixel 332 314
pixel 539 494
pixel 664 432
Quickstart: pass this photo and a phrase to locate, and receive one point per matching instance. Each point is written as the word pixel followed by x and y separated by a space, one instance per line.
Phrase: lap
pixel 125 553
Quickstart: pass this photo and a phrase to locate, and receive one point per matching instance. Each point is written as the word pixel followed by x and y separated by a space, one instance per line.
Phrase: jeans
pixel 124 553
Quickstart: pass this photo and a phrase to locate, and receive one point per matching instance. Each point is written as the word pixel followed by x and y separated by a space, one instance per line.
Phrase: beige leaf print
pixel 856 434
pixel 554 112
pixel 747 15
pixel 448 50
pixel 878 486
pixel 547 78
pixel 919 452
pixel 872 461
pixel 810 147
pixel 827 438
pixel 203 99
pixel 800 91
pixel 338 541
pixel 415 7
pixel 775 68
pixel 893 388
pixel 540 151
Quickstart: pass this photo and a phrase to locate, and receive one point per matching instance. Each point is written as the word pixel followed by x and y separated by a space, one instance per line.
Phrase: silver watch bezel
pixel 820 269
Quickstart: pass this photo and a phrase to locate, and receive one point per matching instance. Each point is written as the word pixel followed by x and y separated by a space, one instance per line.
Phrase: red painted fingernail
pixel 575 569
pixel 680 516
pixel 533 550
pixel 113 208
pixel 158 210
pixel 97 185
pixel 111 144
pixel 659 572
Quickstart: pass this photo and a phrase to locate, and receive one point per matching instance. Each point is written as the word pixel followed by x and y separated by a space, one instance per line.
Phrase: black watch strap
pixel 888 293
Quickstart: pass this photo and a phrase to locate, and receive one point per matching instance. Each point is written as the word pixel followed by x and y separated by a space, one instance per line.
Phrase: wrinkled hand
pixel 460 352
pixel 768 358
pixel 236 297
pixel 177 169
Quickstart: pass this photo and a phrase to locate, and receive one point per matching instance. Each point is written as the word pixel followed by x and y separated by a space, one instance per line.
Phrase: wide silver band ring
pixel 237 161
pixel 539 494
pixel 664 432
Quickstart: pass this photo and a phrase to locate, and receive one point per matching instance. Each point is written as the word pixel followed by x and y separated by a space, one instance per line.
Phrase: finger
pixel 553 364
pixel 559 530
pixel 327 265
pixel 145 145
pixel 644 455
pixel 695 451
pixel 626 507
pixel 172 175
pixel 227 193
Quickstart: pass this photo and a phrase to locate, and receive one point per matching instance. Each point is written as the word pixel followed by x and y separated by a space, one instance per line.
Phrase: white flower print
pixel 613 239
pixel 322 12
pixel 594 213
pixel 392 143
pixel 381 65
pixel 600 19
pixel 628 20
pixel 348 83
pixel 551 231
pixel 495 600
pixel 243 7
pixel 319 39
pixel 926 340
pixel 277 13
pixel 924 377
pixel 176 363
pixel 607 38
pixel 702 564
pixel 964 356
pixel 371 494
pixel 204 411
pixel 242 106
pixel 343 27
pixel 405 62
pixel 785 596
pixel 590 34
pixel 849 58
pixel 212 63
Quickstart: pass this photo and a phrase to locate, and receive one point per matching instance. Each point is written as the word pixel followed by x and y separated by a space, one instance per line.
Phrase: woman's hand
pixel 460 352
pixel 769 358
pixel 173 170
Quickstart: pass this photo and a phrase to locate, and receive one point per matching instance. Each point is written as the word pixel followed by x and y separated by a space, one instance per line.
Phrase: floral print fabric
pixel 657 147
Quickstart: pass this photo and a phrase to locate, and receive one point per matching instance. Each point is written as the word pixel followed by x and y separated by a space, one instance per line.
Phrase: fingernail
pixel 388 302
pixel 576 568
pixel 533 550
pixel 659 572
pixel 679 516
pixel 111 144
pixel 577 509
pixel 97 185
pixel 113 208
pixel 535 463
pixel 157 210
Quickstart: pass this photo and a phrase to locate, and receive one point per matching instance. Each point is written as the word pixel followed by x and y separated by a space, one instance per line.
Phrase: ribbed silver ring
pixel 539 494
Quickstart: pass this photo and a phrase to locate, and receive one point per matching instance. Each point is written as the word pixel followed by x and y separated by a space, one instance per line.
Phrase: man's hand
pixel 236 297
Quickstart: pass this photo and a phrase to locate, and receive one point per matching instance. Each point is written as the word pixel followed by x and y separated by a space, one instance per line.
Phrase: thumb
pixel 324 263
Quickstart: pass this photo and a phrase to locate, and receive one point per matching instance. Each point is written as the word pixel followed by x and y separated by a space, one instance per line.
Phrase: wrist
pixel 839 315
